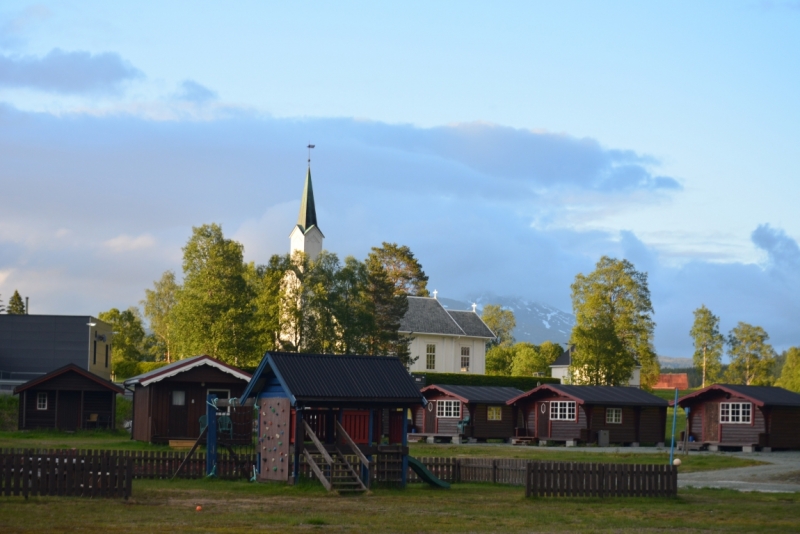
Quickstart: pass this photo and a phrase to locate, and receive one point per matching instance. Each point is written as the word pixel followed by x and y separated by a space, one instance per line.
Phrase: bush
pixel 9 412
pixel 124 411
pixel 524 383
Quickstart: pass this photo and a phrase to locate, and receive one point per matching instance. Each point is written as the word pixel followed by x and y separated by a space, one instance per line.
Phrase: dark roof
pixel 70 368
pixel 477 394
pixel 471 323
pixel 565 359
pixel 759 395
pixel 308 212
pixel 426 315
pixel 607 395
pixel 332 378
pixel 181 366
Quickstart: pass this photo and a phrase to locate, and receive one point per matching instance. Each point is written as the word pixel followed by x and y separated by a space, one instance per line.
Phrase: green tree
pixel 402 268
pixel 790 374
pixel 499 360
pixel 533 360
pixel 127 343
pixel 266 284
pixel 386 307
pixel 214 308
pixel 158 305
pixel 16 306
pixel 751 356
pixel 613 325
pixel 2 306
pixel 353 306
pixel 501 322
pixel 708 345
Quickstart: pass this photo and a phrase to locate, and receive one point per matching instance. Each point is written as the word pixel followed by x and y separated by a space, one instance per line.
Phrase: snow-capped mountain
pixel 536 322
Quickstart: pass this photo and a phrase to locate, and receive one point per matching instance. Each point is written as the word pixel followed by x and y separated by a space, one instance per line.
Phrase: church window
pixel 465 359
pixel 430 356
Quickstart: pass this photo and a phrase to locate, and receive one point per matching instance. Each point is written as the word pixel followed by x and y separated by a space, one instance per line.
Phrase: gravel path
pixel 781 475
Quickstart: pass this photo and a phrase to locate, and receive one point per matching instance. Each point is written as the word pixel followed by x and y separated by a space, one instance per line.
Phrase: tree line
pixel 16 306
pixel 235 311
pixel 753 361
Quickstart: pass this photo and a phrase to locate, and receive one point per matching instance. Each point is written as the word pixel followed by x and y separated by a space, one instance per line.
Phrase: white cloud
pixel 125 243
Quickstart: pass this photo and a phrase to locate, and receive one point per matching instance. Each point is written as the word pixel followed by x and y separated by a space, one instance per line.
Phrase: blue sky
pixel 510 146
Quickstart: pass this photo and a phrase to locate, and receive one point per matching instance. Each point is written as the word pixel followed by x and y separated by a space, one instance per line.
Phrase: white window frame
pixel 42 395
pixel 494 413
pixel 613 416
pixel 448 409
pixel 227 410
pixel 430 357
pixel 563 411
pixel 736 413
pixel 173 398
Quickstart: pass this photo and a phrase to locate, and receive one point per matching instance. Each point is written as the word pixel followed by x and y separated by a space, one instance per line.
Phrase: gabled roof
pixel 317 378
pixel 471 324
pixel 476 394
pixel 607 395
pixel 426 315
pixel 307 217
pixel 181 366
pixel 70 368
pixel 758 395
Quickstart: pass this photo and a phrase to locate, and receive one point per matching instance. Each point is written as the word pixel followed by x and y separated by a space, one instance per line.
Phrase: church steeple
pixel 308 212
pixel 306 235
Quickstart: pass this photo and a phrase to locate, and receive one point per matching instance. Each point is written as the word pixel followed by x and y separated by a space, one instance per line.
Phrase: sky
pixel 510 145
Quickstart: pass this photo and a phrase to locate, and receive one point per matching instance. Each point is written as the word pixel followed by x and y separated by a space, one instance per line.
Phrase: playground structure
pixel 340 415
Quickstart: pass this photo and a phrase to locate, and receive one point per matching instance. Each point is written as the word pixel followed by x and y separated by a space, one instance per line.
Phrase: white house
pixel 445 341
pixel 560 369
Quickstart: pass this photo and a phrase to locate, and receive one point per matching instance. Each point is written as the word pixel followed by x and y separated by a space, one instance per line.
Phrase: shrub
pixel 524 383
pixel 9 412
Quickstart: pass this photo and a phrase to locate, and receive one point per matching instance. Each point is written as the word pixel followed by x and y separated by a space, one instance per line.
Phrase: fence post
pixel 528 479
pixel 494 471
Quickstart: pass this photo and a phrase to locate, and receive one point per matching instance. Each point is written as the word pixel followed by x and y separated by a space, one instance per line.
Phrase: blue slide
pixel 426 475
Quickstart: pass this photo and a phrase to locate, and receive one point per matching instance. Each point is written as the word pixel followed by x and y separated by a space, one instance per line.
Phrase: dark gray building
pixel 34 345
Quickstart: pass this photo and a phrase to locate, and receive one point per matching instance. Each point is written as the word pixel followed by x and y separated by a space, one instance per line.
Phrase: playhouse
pixel 332 414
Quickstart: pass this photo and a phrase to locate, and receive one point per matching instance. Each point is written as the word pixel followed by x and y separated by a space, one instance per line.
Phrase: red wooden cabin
pixel 724 415
pixel 478 412
pixel 168 402
pixel 672 381
pixel 68 398
pixel 558 412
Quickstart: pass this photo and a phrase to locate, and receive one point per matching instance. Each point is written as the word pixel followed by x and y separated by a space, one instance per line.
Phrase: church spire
pixel 308 213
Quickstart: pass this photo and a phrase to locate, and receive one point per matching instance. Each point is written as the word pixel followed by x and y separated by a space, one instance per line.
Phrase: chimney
pixel 26 305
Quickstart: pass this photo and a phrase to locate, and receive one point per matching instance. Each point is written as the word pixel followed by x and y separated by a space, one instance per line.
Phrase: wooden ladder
pixel 333 471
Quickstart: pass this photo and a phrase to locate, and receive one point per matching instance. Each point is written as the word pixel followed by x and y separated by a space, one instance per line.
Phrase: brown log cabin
pixel 568 413
pixel 69 398
pixel 725 415
pixel 168 402
pixel 478 412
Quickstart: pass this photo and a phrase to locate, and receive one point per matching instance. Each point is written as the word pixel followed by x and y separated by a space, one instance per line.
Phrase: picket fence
pixel 572 479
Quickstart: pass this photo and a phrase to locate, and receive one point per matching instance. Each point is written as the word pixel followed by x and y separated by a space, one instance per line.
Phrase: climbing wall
pixel 273 438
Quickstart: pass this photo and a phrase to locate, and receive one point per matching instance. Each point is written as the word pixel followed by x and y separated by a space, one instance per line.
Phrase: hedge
pixel 127 369
pixel 524 383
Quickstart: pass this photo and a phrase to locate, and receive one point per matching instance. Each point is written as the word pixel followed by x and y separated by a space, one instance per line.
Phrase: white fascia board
pixel 444 335
pixel 198 363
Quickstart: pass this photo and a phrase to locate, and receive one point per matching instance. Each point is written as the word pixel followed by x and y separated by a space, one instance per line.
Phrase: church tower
pixel 306 235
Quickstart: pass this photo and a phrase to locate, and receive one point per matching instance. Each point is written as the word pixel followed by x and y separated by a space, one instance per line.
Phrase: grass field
pixel 82 439
pixel 161 506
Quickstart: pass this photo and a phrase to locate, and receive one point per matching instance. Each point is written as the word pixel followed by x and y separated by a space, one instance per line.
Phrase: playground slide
pixel 426 475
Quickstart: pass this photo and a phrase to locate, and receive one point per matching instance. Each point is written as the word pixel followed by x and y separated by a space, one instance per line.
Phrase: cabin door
pixel 178 414
pixel 430 417
pixel 69 410
pixel 542 420
pixel 711 422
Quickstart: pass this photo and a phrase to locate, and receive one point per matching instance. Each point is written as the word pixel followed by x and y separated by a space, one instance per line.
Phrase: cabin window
pixel 562 410
pixel 448 408
pixel 221 394
pixel 430 357
pixel 465 359
pixel 41 400
pixel 735 412
pixel 614 416
pixel 179 398
pixel 494 413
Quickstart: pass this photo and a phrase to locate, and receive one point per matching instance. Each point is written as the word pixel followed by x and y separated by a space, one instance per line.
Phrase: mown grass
pixel 163 506
pixel 690 463
pixel 81 439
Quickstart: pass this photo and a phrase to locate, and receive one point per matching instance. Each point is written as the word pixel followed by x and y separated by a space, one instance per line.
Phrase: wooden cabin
pixel 672 381
pixel 69 398
pixel 168 402
pixel 323 408
pixel 558 412
pixel 456 412
pixel 725 415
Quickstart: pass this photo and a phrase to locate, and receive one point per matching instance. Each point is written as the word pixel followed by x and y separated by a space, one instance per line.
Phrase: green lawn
pixel 690 462
pixel 162 506
pixel 81 439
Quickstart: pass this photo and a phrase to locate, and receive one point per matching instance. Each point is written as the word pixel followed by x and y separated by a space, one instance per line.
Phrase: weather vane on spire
pixel 310 146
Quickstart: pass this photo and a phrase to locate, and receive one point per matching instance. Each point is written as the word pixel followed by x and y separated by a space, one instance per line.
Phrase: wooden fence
pixel 93 475
pixel 571 479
